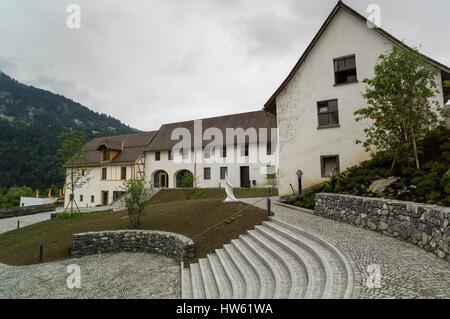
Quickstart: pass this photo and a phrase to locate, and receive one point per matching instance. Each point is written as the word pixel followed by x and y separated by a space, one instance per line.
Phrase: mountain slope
pixel 31 120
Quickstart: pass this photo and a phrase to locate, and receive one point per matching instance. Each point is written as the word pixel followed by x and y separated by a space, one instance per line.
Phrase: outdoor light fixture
pixel 299 177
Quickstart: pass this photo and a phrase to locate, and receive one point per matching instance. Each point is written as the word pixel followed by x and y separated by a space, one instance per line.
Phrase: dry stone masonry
pixel 425 226
pixel 172 245
pixel 27 210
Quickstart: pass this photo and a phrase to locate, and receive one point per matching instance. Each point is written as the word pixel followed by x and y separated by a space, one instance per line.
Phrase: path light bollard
pixel 18 224
pixel 299 178
pixel 269 210
pixel 41 252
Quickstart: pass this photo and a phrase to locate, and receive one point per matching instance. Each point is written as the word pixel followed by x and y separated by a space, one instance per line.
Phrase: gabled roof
pixel 270 104
pixel 256 119
pixel 131 147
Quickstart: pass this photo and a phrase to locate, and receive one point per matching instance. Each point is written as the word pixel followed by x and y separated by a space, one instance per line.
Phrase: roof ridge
pixel 213 117
pixel 268 106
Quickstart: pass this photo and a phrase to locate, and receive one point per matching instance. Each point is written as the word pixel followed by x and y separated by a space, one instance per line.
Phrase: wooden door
pixel 245 176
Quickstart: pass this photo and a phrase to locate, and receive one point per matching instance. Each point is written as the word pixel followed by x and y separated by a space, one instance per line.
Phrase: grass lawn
pixel 170 195
pixel 187 217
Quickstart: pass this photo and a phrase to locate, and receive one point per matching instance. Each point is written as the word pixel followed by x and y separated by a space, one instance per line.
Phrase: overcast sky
pixel 148 62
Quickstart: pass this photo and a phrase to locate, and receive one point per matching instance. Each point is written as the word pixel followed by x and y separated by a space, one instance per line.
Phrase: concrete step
pixel 275 260
pixel 209 283
pixel 237 281
pixel 312 276
pixel 198 290
pixel 247 272
pixel 186 286
pixel 276 267
pixel 265 276
pixel 340 281
pixel 286 259
pixel 220 276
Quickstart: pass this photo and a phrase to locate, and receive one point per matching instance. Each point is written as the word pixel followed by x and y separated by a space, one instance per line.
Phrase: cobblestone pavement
pixel 123 275
pixel 406 270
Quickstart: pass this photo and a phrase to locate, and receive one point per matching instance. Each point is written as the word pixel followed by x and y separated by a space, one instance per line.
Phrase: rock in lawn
pixel 381 185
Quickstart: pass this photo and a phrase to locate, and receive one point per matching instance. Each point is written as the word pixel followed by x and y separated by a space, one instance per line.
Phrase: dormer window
pixel 345 70
pixel 109 149
pixel 106 155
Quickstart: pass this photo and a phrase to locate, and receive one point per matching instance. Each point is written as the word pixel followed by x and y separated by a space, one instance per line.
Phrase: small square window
pixel 328 113
pixel 184 153
pixel 123 173
pixel 329 165
pixel 92 198
pixel 81 198
pixel 269 148
pixel 207 173
pixel 223 172
pixel 345 70
pixel 157 156
pixel 244 149
pixel 104 173
pixel 106 155
pixel 207 152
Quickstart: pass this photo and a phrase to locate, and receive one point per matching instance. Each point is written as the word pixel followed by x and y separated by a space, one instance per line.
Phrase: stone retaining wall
pixel 26 210
pixel 172 245
pixel 423 225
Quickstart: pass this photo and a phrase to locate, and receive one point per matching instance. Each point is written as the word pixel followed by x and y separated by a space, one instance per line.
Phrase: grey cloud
pixel 147 62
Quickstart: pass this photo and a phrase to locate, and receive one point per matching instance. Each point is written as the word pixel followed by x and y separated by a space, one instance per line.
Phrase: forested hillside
pixel 31 120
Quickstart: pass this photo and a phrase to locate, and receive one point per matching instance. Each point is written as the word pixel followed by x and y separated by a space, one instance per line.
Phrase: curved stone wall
pixel 172 245
pixel 425 226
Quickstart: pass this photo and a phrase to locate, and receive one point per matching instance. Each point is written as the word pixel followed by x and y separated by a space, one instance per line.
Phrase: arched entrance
pixel 184 179
pixel 160 179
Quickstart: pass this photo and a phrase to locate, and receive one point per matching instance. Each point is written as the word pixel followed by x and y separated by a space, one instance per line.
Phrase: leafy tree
pixel 187 179
pixel 72 153
pixel 136 197
pixel 400 105
pixel 11 198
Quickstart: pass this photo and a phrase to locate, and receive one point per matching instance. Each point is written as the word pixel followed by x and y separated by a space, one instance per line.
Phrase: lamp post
pixel 299 178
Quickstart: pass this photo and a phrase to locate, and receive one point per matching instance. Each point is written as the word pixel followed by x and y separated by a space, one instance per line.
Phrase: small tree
pixel 400 104
pixel 72 154
pixel 136 197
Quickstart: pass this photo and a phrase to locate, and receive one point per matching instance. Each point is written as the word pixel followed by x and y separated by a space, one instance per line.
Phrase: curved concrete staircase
pixel 275 260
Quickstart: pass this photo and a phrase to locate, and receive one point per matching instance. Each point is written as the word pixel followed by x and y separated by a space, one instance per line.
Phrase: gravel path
pixel 123 275
pixel 406 270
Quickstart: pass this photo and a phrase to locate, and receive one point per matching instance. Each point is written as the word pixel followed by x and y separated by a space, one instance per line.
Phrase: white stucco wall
pixel 32 201
pixel 96 185
pixel 301 143
pixel 172 168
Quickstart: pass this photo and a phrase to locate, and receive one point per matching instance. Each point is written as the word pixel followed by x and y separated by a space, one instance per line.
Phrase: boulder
pixel 381 185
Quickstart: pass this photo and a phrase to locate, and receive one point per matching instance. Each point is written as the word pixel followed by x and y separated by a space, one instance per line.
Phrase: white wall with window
pixel 315 110
pixel 210 173
pixel 99 189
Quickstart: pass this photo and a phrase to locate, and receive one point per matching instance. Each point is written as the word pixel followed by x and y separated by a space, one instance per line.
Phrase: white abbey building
pixel 315 103
pixel 240 146
pixel 312 109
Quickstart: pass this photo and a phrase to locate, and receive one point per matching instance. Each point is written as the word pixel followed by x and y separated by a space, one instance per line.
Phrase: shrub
pixel 136 198
pixel 427 184
pixel 445 183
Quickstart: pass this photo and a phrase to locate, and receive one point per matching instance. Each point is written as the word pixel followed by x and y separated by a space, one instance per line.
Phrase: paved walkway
pixel 406 270
pixel 7 224
pixel 123 275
